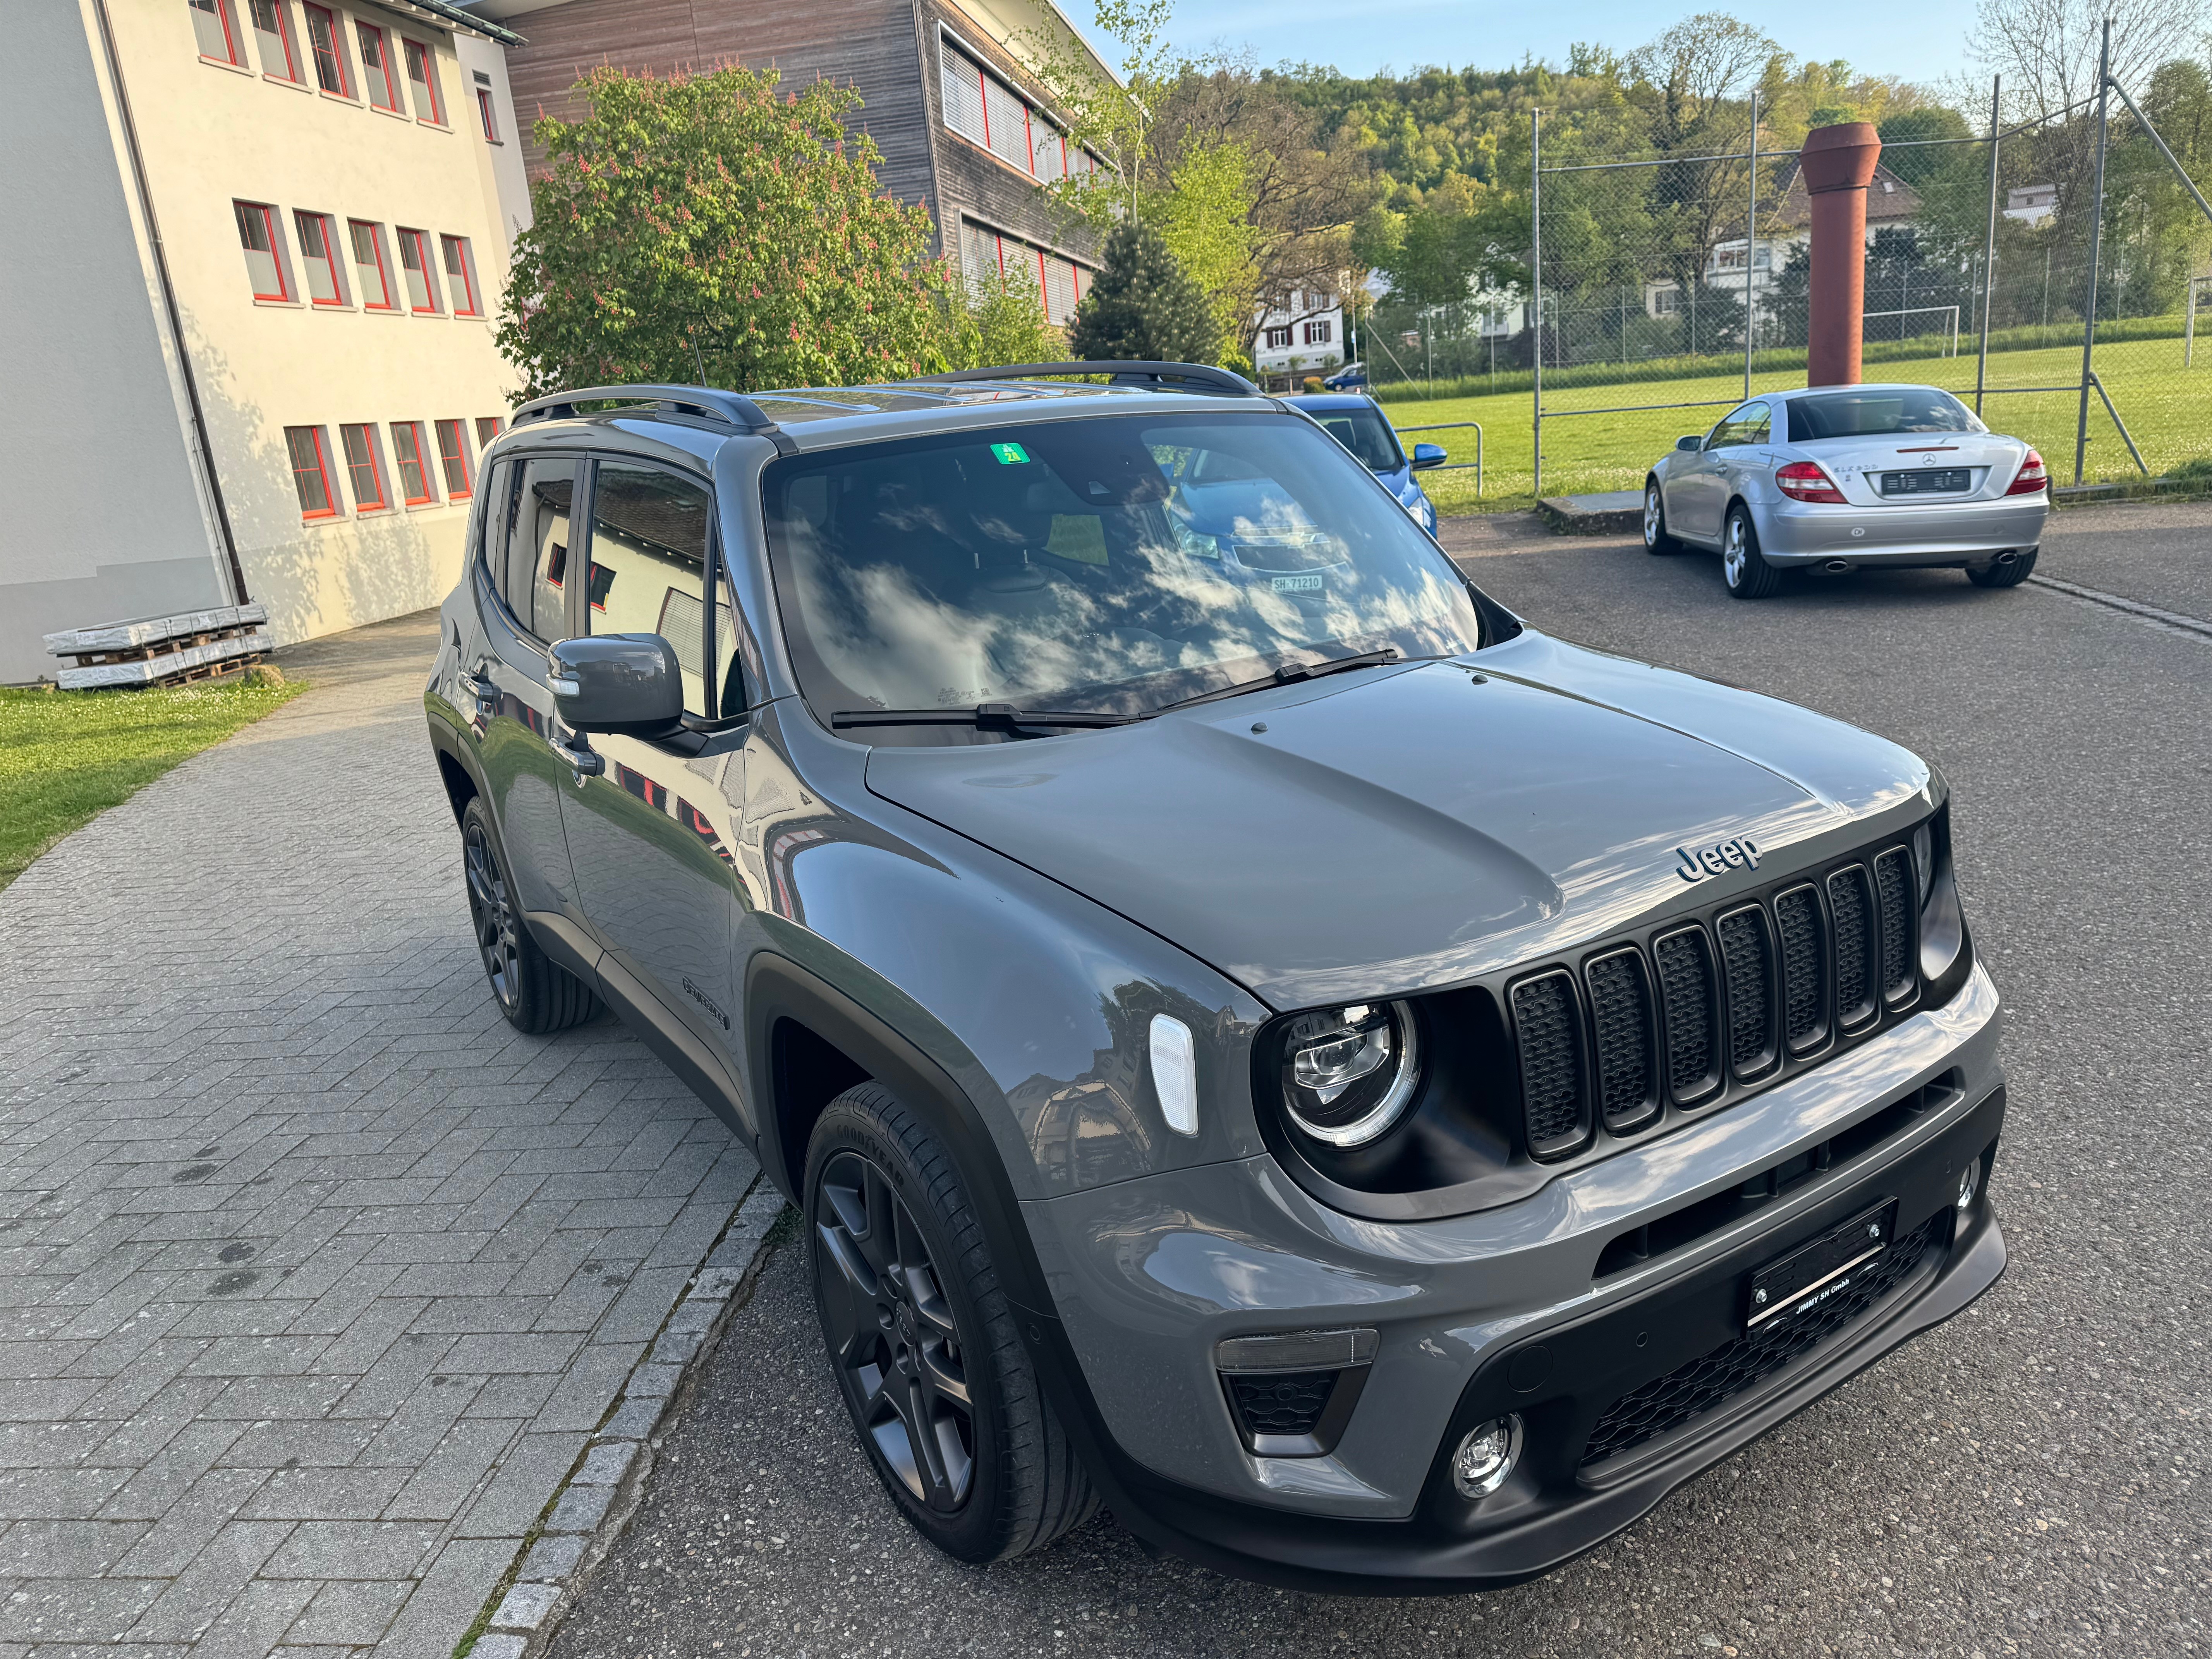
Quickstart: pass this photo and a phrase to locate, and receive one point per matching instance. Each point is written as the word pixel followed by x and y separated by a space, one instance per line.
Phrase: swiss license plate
pixel 1929 481
pixel 1791 1286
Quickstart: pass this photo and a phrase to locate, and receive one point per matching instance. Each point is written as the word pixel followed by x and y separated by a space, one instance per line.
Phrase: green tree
pixel 708 227
pixel 1000 320
pixel 1919 160
pixel 1142 307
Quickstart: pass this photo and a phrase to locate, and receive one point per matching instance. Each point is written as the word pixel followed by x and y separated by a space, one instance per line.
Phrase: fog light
pixel 1970 1179
pixel 1485 1457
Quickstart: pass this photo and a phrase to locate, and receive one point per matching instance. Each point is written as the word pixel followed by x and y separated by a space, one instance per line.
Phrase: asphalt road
pixel 2030 1479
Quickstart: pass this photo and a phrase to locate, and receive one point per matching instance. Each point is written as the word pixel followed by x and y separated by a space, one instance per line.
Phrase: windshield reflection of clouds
pixel 1117 564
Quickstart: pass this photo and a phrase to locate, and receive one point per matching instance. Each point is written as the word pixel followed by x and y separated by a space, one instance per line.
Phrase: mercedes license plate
pixel 1793 1285
pixel 1929 481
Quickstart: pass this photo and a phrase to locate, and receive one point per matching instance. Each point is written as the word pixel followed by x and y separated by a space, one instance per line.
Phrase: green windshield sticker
pixel 1010 454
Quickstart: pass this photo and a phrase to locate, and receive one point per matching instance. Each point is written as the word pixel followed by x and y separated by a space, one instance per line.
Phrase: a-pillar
pixel 1837 163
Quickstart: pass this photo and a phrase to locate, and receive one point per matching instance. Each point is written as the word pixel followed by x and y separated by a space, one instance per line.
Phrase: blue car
pixel 1352 376
pixel 1352 419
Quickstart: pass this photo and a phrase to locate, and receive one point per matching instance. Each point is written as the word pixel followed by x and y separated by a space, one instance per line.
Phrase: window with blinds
pixel 986 255
pixel 962 85
pixel 983 109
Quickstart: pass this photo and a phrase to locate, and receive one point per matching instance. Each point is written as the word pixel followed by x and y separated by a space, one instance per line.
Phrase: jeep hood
pixel 1397 830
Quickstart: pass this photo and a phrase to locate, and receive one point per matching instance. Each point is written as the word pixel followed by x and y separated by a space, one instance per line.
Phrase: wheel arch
pixel 455 770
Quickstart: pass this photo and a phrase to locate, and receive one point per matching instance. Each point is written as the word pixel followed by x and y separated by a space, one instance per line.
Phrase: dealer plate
pixel 1794 1285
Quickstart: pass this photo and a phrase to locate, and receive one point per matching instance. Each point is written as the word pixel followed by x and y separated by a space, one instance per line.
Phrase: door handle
pixel 483 692
pixel 583 761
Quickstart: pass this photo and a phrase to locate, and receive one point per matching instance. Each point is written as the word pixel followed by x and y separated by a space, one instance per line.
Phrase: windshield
pixel 1879 413
pixel 1115 563
pixel 1365 434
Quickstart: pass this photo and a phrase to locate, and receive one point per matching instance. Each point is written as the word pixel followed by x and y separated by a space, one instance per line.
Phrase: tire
pixel 1743 566
pixel 1656 538
pixel 2005 575
pixel 941 1391
pixel 536 993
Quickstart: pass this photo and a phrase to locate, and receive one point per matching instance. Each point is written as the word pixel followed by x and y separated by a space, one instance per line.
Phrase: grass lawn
pixel 2167 408
pixel 67 756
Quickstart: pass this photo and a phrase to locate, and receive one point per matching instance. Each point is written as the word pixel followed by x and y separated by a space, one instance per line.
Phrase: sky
pixel 1903 37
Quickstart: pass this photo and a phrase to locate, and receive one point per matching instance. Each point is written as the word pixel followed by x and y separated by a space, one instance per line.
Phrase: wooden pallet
pixel 178 660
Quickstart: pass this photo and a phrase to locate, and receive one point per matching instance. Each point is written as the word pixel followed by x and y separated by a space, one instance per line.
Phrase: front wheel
pixel 1656 538
pixel 536 993
pixel 1747 573
pixel 2005 575
pixel 924 1346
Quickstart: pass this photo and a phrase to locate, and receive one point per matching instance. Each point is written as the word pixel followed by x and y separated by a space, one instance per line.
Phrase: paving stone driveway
pixel 315 1278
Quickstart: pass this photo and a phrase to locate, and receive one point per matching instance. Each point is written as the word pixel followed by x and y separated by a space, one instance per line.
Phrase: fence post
pixel 1751 249
pixel 1536 271
pixel 2096 239
pixel 1989 245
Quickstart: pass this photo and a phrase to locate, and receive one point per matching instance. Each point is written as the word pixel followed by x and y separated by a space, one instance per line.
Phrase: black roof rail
pixel 1199 376
pixel 734 407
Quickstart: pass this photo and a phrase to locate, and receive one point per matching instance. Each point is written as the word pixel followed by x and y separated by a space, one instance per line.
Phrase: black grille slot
pixel 1280 1402
pixel 1685 1002
pixel 1893 884
pixel 1620 1016
pixel 1748 958
pixel 1665 1403
pixel 1804 970
pixel 1850 910
pixel 1554 1096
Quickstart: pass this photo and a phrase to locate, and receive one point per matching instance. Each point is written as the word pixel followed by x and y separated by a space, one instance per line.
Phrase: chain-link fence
pixel 1669 288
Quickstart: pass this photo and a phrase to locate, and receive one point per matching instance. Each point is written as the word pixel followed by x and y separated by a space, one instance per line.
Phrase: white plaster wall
pixel 105 518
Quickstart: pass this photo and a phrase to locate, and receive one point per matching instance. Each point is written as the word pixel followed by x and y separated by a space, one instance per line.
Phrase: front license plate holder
pixel 1792 1285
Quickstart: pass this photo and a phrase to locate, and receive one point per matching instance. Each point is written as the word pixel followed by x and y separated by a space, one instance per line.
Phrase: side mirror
pixel 1693 444
pixel 1428 455
pixel 629 685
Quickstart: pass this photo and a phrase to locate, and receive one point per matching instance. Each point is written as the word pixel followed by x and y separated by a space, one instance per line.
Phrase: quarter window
pixel 217 30
pixel 370 265
pixel 460 276
pixel 376 65
pixel 319 255
pixel 453 459
pixel 364 460
pixel 539 494
pixel 422 71
pixel 323 46
pixel 407 450
pixel 415 262
pixel 648 560
pixel 272 29
pixel 310 471
pixel 265 257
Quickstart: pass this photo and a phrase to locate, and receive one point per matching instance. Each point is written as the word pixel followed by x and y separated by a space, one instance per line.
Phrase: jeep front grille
pixel 1672 1023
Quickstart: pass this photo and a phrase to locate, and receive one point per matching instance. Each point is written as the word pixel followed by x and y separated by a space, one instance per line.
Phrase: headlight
pixel 1349 1074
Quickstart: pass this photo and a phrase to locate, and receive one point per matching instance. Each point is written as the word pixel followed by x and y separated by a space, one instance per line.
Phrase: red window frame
pixel 383 268
pixel 314 465
pixel 407 435
pixel 418 243
pixel 460 275
pixel 326 229
pixel 376 498
pixel 408 47
pixel 488 427
pixel 488 115
pixel 251 213
pixel 329 52
pixel 454 457
pixel 379 67
pixel 234 42
pixel 283 14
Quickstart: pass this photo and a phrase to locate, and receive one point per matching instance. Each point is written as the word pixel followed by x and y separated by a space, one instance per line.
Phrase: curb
pixel 1594 515
pixel 589 1510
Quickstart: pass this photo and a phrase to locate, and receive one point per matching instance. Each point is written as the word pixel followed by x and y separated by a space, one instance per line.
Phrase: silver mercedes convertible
pixel 1849 477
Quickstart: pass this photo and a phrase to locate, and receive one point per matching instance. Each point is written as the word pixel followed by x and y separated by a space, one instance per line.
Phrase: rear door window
pixel 648 560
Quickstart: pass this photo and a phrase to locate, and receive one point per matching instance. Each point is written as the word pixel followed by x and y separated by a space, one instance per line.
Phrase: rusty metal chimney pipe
pixel 1837 163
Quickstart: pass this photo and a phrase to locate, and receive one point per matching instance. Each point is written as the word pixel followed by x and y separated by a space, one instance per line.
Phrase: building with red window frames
pixel 249 338
pixel 963 125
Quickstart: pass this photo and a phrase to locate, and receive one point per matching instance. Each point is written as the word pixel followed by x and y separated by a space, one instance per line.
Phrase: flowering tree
pixel 708 229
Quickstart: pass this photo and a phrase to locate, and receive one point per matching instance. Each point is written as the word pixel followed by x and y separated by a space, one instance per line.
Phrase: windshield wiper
pixel 1290 674
pixel 986 716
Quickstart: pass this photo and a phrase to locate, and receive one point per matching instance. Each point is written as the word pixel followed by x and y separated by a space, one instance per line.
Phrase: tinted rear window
pixel 1878 413
pixel 1365 434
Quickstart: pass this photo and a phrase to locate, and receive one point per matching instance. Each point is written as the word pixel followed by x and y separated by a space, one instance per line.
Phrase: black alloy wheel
pixel 536 993
pixel 892 1334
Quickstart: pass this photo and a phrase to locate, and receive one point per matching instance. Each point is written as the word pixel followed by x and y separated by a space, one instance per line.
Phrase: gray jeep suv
pixel 1261 1036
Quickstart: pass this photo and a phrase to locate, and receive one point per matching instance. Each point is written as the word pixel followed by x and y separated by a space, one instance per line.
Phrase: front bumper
pixel 1956 533
pixel 1168 1273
